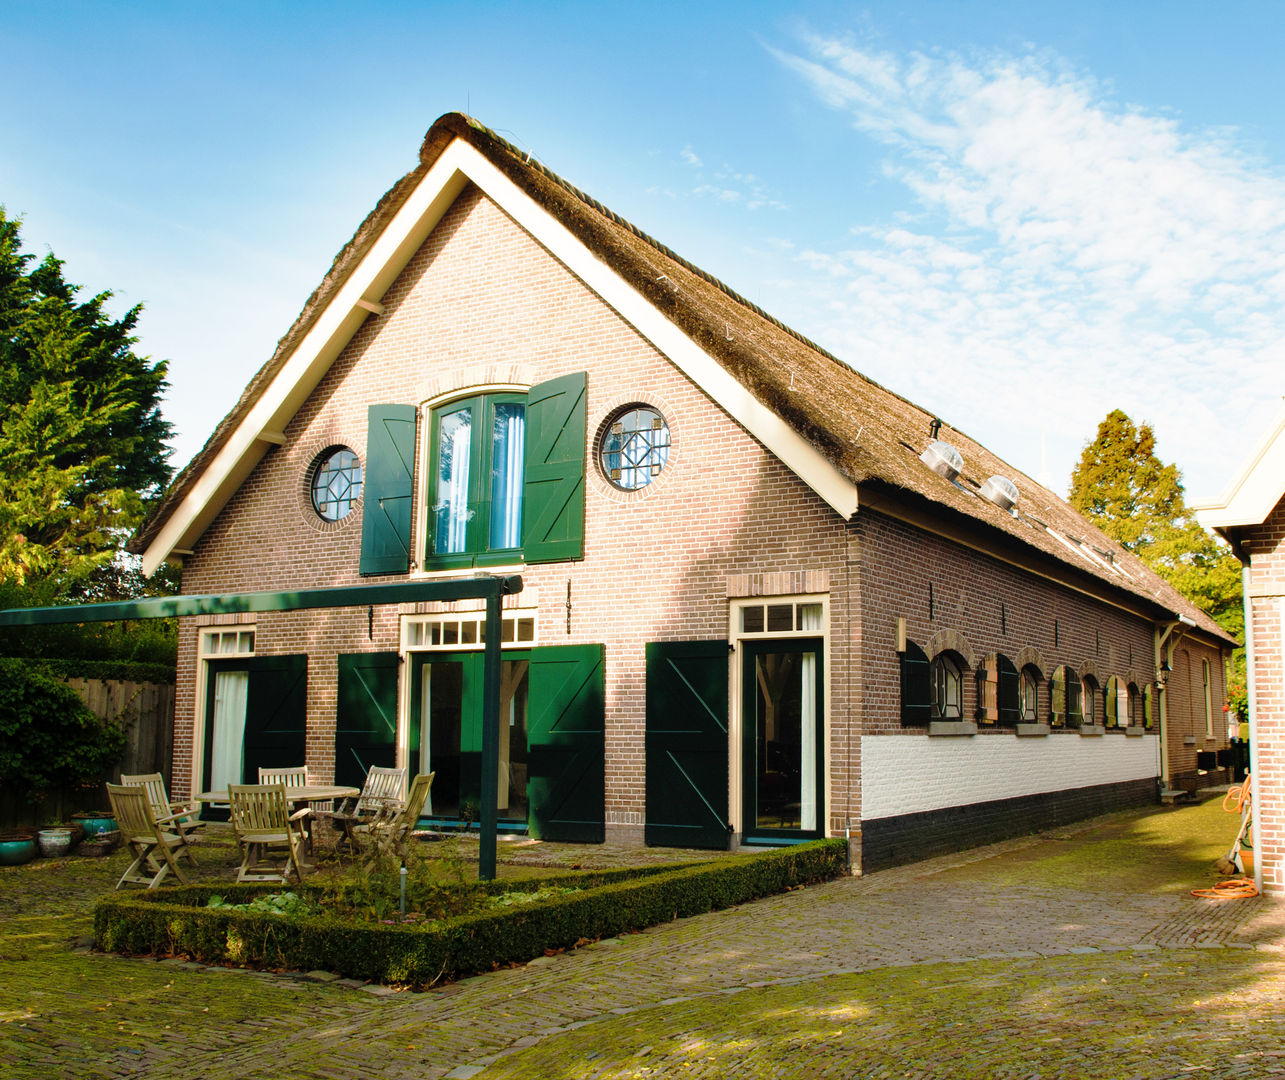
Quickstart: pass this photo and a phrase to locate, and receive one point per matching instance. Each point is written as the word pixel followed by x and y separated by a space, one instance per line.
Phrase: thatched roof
pixel 869 434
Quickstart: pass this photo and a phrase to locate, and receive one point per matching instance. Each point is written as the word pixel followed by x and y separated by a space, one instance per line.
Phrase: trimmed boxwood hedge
pixel 174 922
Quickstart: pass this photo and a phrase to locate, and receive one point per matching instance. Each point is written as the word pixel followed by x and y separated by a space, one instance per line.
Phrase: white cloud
pixel 729 185
pixel 1060 255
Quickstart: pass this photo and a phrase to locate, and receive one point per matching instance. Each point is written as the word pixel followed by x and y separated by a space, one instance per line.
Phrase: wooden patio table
pixel 304 793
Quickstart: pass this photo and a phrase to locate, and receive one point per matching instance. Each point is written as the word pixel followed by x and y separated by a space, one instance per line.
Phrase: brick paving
pixel 75 1013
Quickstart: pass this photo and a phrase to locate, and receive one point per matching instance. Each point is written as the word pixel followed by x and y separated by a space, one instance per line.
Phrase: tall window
pixel 948 687
pixel 1064 698
pixel 1092 703
pixel 475 477
pixel 1029 698
pixel 1209 702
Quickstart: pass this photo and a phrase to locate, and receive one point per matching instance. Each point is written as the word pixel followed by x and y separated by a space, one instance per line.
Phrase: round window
pixel 336 483
pixel 634 447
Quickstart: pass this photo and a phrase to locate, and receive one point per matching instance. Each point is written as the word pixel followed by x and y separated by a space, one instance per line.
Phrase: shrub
pixel 48 737
pixel 174 922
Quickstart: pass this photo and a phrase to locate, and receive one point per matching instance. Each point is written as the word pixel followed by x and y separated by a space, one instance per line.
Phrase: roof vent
pixel 1001 491
pixel 943 459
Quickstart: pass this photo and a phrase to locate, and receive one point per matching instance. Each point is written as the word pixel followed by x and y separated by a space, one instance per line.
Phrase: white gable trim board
pixel 362 292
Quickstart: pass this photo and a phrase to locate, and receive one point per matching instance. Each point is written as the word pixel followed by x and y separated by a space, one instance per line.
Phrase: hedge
pixel 174 922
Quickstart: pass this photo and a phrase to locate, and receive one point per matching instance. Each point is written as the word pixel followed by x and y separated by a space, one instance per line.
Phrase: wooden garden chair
pixel 269 834
pixel 392 829
pixel 186 814
pixel 381 791
pixel 293 776
pixel 154 841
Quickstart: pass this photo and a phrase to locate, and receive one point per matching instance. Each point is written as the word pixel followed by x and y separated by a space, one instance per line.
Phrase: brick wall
pixel 1265 546
pixel 482 303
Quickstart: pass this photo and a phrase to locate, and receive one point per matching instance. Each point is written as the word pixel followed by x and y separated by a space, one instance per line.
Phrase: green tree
pixel 82 439
pixel 1131 495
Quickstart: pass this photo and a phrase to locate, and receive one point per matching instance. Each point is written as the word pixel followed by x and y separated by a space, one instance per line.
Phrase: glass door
pixel 782 724
pixel 446 734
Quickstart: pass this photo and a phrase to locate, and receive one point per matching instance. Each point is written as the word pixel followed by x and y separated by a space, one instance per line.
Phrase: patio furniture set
pixel 274 821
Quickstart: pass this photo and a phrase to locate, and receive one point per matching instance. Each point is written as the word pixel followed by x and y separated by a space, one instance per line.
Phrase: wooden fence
pixel 145 711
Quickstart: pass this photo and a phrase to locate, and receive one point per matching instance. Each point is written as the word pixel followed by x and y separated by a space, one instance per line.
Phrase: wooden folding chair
pixel 293 776
pixel 381 793
pixel 153 841
pixel 185 814
pixel 265 828
pixel 394 827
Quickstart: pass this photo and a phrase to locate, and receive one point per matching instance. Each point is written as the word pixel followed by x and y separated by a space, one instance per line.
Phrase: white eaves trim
pixel 1255 492
pixel 360 295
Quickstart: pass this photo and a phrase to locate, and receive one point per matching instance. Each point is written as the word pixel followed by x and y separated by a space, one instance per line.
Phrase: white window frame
pixel 210 645
pixel 735 707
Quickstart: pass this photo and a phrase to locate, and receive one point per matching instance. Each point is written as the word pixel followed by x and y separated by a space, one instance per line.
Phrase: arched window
pixel 1092 701
pixel 1064 698
pixel 1029 694
pixel 948 686
pixel 1135 705
pixel 997 691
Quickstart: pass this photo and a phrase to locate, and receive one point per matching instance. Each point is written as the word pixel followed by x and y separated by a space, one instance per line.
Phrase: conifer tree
pixel 1136 499
pixel 82 440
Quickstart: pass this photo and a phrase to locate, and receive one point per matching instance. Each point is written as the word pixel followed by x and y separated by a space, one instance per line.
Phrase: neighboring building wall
pixel 483 303
pixel 923 792
pixel 1265 547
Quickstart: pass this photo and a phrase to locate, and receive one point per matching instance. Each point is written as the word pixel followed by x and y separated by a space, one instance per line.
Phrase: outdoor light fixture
pixel 1162 676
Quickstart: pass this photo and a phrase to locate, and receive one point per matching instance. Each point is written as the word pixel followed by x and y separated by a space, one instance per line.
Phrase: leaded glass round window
pixel 336 483
pixel 634 447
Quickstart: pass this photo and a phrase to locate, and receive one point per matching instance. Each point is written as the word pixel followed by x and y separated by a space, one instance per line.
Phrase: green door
pixel 686 744
pixel 567 787
pixel 446 733
pixel 365 715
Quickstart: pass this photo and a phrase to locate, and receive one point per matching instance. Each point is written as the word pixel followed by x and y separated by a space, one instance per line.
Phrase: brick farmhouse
pixel 765 599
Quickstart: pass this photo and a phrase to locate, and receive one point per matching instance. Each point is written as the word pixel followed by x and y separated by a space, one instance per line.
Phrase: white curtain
pixel 230 692
pixel 457 490
pixel 506 476
pixel 810 619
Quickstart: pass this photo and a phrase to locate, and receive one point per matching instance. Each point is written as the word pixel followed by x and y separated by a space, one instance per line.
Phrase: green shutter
pixel 686 744
pixel 916 686
pixel 276 713
pixel 388 482
pixel 1009 691
pixel 553 498
pixel 566 781
pixel 365 715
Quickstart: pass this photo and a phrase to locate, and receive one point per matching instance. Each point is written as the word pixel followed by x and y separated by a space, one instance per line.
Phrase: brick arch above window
pixel 952 641
pixel 1029 656
pixel 1088 669
pixel 463 378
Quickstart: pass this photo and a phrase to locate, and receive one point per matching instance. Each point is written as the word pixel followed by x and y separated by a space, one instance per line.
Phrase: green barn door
pixel 686 744
pixel 276 713
pixel 567 777
pixel 366 715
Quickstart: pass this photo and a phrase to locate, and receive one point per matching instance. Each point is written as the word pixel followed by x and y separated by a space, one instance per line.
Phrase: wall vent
pixel 943 459
pixel 1001 491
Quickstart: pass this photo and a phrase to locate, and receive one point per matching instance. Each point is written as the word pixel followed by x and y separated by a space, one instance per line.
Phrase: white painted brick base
pixel 906 774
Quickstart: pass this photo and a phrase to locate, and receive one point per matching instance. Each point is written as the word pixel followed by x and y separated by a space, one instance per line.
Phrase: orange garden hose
pixel 1235 889
pixel 1240 793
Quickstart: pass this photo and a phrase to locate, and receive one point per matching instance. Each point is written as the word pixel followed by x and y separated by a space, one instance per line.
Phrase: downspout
pixel 1253 718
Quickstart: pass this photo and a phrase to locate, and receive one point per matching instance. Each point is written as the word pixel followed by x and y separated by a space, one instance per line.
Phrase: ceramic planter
pixel 95 823
pixel 54 842
pixel 16 849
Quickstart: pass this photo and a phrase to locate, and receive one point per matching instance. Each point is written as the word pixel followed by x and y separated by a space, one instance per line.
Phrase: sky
pixel 1018 215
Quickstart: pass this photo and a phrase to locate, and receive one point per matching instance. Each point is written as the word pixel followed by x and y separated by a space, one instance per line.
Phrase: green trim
pixel 167 607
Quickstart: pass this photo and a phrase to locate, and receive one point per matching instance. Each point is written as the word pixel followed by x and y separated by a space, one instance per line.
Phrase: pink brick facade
pixel 1264 546
pixel 484 305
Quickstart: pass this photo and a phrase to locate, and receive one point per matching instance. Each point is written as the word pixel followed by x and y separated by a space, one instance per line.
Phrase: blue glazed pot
pixel 14 851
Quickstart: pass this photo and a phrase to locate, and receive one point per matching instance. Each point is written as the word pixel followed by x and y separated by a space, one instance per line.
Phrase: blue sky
pixel 1019 215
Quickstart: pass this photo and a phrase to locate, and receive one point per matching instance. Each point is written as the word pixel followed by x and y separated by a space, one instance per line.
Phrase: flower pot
pixel 95 822
pixel 54 842
pixel 16 849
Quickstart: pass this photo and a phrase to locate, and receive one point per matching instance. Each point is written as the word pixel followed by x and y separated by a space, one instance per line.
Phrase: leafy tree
pixel 1131 495
pixel 82 440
